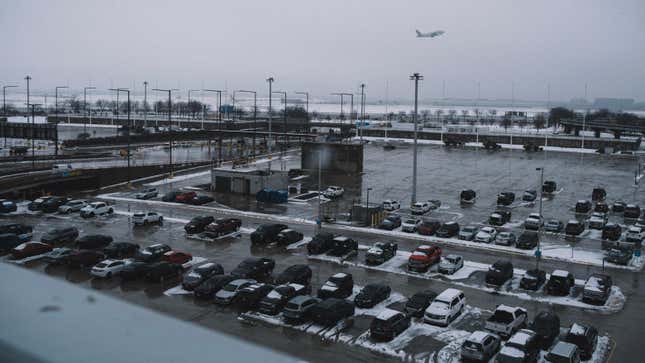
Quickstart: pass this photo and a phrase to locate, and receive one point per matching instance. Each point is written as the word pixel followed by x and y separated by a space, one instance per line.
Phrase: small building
pixel 247 181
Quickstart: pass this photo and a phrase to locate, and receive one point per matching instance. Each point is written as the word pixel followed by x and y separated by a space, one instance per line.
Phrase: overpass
pixel 617 128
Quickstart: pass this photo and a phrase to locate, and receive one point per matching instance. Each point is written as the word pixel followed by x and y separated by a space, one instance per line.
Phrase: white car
pixel 445 307
pixel 597 220
pixel 635 234
pixel 109 268
pixel 72 206
pixel 486 235
pixel 96 209
pixel 410 225
pixel 147 193
pixel 451 264
pixel 391 205
pixel 534 221
pixel 333 191
pixel 145 218
pixel 420 208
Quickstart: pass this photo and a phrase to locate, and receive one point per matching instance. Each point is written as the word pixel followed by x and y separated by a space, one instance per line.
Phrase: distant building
pixel 614 104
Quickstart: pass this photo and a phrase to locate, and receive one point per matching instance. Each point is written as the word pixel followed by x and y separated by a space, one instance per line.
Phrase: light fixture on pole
pixel 416 77
pixel 270 81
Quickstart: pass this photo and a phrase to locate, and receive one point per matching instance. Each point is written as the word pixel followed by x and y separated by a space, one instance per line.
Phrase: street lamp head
pixel 88 88
pixel 10 86
pixel 270 79
pixel 416 76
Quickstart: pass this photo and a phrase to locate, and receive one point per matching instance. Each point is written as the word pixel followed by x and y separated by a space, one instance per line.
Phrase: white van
pixel 445 307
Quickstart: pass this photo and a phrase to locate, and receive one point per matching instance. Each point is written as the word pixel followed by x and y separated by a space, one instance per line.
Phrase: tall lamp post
pixel 84 107
pixel 4 111
pixel 56 111
pixel 255 115
pixel 145 103
pixel 538 252
pixel 306 94
pixel 284 119
pixel 128 133
pixel 360 127
pixel 170 166
pixel 219 118
pixel 28 79
pixel 270 81
pixel 416 77
pixel 33 136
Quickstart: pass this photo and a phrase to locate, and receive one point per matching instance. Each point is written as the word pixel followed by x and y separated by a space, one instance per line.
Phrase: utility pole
pixel 170 166
pixel 28 78
pixel 128 132
pixel 56 111
pixel 84 107
pixel 308 128
pixel 219 118
pixel 284 124
pixel 33 136
pixel 270 81
pixel 416 77
pixel 360 128
pixel 538 252
pixel 4 111
pixel 145 103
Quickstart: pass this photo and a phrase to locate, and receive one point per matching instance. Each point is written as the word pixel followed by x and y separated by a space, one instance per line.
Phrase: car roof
pixel 386 314
pixel 300 299
pixel 449 293
pixel 522 337
pixel 560 273
pixel 563 349
pixel 478 336
pixel 339 275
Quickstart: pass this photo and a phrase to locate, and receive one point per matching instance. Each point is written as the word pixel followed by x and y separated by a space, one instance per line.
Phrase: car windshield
pixel 410 221
pixel 292 306
pixel 336 280
pixel 439 304
pixel 451 260
pixel 503 316
pixel 101 265
pixel 472 345
pixel 230 287
pixel 469 229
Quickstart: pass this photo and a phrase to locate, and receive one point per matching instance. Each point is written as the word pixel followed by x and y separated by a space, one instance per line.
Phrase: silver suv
pixel 480 346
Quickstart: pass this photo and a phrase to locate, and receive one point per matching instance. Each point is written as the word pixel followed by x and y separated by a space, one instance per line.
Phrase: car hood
pixel 223 294
pixel 329 286
pixel 437 309
pixel 447 265
pixel 375 251
pixel 482 235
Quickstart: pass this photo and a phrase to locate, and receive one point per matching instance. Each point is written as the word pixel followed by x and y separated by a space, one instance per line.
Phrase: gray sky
pixel 331 45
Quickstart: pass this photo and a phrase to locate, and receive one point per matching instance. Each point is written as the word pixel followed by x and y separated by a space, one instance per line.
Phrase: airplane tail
pixel 418 33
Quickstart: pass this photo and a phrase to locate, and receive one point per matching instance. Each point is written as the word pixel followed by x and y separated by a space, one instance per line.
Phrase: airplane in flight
pixel 429 35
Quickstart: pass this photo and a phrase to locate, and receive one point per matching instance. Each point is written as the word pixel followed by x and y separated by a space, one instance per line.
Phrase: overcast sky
pixel 331 45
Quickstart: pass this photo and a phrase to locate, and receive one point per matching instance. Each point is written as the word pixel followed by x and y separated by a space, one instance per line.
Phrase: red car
pixel 423 257
pixel 185 197
pixel 29 249
pixel 177 257
pixel 429 227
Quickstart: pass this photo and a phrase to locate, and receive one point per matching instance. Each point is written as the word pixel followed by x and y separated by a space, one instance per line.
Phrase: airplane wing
pixel 430 35
pixel 419 33
pixel 436 33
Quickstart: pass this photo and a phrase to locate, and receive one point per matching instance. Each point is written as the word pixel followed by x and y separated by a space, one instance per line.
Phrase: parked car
pixel 505 238
pixel 420 207
pixel 83 258
pixel 522 347
pixel 499 273
pixel 152 253
pixel 486 235
pixel 423 257
pixel 147 193
pixel 445 307
pixel 7 206
pixel 560 283
pixel 554 226
pixel 120 249
pixel 320 243
pixel 601 207
pixel 96 209
pixel 618 207
pixel 371 295
pixel 419 302
pixel 37 203
pixel 611 232
pixel 133 271
pixel 266 233
pixel 584 337
pixel 598 194
pixel 380 252
pixel 563 352
pixel 635 234
pixel 619 256
pixel 185 197
pixel 198 223
pixel 29 249
pixel 467 196
pixel 388 324
pixel 93 241
pixel 410 225
pixel 177 257
pixel 200 200
pixel 505 198
pixel 391 222
pixel 163 271
pixel 297 274
pixel 227 293
pixel 277 298
pixel 583 207
pixel 573 229
pixel 391 205
pixel 597 220
pixel 208 288
pixel 23 231
pixel 200 274
pixel 145 218
pixel 109 268
pixel 546 325
pixel 534 221
pixel 468 232
pixel 251 296
pixel 448 230
pixel 597 288
pixel 72 206
pixel 527 240
pixel 339 285
pixel 170 196
pixel 529 195
pixel 332 311
pixel 480 346
pixel 298 309
pixel 258 268
pixel 52 204
pixel 9 241
pixel 506 320
pixel 549 187
pixel 451 264
pixel 288 236
pixel 499 217
pixel 57 255
pixel 333 191
pixel 224 226
pixel 59 236
pixel 343 246
pixel 533 279
pixel 429 227
pixel 640 222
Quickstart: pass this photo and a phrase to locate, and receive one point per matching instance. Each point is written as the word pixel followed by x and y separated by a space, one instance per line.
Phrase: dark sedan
pixel 371 295
pixel 60 235
pixel 93 241
pixel 29 249
pixel 200 274
pixel 83 258
pixel 163 271
pixel 120 249
pixel 197 224
pixel 210 287
pixel 419 302
pixel 134 270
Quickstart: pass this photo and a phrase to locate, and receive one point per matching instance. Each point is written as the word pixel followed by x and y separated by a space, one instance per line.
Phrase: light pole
pixel 416 77
pixel 340 116
pixel 270 81
pixel 129 127
pixel 145 103
pixel 84 108
pixel 4 111
pixel 360 128
pixel 219 118
pixel 284 121
pixel 56 111
pixel 188 105
pixel 28 78
pixel 255 111
pixel 306 94
pixel 538 252
pixel 33 131
pixel 320 155
pixel 367 214
pixel 170 166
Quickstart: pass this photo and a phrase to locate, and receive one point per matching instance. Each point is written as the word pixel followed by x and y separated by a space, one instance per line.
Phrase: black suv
pixel 340 285
pixel 133 271
pixel 597 288
pixel 611 231
pixel 343 246
pixel 331 311
pixel 162 271
pixel 560 283
pixel 388 324
pixel 120 249
pixel 527 240
pixel 419 302
pixel 210 287
pixel 152 253
pixel 499 217
pixel 321 243
pixel 619 256
pixel 549 186
pixel 598 194
pixel 380 252
pixel 583 207
pixel 371 295
pixel 249 297
pixel 288 236
pixel 275 300
pixel 60 235
pixel 266 233
pixel 505 198
pixel 632 211
pixel 601 207
pixel 297 274
pixel 573 229
pixel 498 273
pixel 547 327
pixel 9 241
pixel 200 274
pixel 257 268
pixel 197 224
pixel 390 222
pixel 93 241
pixel 51 205
pixel 533 279
pixel 584 337
pixel 16 228
pixel 448 230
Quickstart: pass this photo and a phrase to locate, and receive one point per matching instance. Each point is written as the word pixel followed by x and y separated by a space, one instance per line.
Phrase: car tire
pixel 109 275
